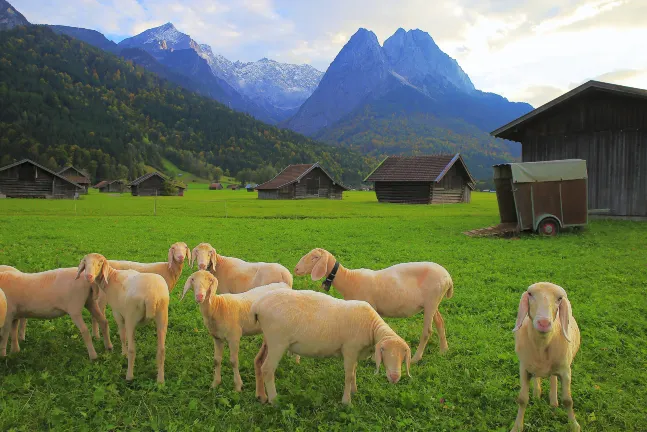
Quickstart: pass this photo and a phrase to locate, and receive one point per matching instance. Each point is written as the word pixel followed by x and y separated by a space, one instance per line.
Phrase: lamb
pixel 235 275
pixel 313 324
pixel 170 271
pixel 226 317
pixel 47 295
pixel 546 346
pixel 135 298
pixel 399 291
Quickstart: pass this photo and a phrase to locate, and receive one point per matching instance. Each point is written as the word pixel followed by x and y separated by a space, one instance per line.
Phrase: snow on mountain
pixel 159 39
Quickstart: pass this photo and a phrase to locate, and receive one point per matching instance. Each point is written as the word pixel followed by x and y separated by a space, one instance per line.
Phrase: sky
pixel 525 50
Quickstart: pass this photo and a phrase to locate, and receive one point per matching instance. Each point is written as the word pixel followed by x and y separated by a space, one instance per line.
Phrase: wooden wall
pixel 149 187
pixel 610 133
pixel 115 187
pixel 452 188
pixel 403 192
pixel 29 181
pixel 315 184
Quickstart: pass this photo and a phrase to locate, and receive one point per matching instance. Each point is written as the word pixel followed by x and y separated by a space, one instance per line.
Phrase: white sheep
pixel 235 275
pixel 171 270
pixel 547 339
pixel 313 324
pixel 48 295
pixel 227 317
pixel 22 321
pixel 399 291
pixel 135 298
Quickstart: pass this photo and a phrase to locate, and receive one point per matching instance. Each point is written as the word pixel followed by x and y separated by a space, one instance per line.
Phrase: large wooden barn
pixel 77 176
pixel 301 181
pixel 432 179
pixel 27 179
pixel 152 184
pixel 604 124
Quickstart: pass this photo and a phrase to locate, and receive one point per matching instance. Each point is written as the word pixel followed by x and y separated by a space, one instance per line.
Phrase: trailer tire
pixel 548 227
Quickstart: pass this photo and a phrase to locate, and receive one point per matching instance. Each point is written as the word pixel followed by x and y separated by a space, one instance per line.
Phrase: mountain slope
pixel 10 17
pixel 92 37
pixel 99 112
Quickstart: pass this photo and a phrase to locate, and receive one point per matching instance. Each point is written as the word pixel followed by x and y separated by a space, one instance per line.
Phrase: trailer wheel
pixel 548 227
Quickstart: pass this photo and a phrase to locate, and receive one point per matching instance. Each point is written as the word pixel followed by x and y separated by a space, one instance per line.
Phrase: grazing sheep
pixel 546 341
pixel 135 298
pixel 226 317
pixel 47 295
pixel 399 291
pixel 22 321
pixel 313 324
pixel 170 271
pixel 235 275
pixel 3 308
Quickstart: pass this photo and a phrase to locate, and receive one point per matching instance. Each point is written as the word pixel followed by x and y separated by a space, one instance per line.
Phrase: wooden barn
pixel 111 186
pixel 233 186
pixel 77 176
pixel 301 181
pixel 152 184
pixel 215 186
pixel 604 124
pixel 432 179
pixel 27 179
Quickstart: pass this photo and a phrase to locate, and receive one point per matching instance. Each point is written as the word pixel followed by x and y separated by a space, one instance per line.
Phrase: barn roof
pixel 79 173
pixel 509 130
pixel 292 174
pixel 146 177
pixel 101 184
pixel 428 168
pixel 41 167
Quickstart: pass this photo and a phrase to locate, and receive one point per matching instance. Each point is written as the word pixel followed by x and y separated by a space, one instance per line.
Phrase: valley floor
pixel 52 384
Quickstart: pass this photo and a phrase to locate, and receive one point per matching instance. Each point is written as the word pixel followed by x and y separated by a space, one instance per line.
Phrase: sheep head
pixel 392 351
pixel 178 252
pixel 318 263
pixel 205 255
pixel 97 269
pixel 204 284
pixel 544 303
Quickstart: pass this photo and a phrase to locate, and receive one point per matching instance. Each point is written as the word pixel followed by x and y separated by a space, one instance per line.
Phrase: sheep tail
pixel 449 283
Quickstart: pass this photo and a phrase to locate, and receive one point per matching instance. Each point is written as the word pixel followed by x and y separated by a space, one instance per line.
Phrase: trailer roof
pixel 557 170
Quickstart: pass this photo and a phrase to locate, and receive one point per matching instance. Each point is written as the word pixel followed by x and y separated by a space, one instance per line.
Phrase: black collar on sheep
pixel 331 276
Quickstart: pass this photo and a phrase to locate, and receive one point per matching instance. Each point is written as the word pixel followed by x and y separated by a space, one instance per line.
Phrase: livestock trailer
pixel 542 196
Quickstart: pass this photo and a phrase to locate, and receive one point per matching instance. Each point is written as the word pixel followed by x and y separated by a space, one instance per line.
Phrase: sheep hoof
pixel 15 350
pixel 93 356
pixel 416 359
pixel 129 378
pixel 215 383
pixel 261 399
pixel 346 402
pixel 444 349
pixel 109 347
pixel 554 404
pixel 238 389
pixel 575 426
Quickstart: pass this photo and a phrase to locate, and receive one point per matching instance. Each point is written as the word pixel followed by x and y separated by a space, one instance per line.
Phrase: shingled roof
pixel 430 168
pixel 55 174
pixel 81 177
pixel 146 177
pixel 292 174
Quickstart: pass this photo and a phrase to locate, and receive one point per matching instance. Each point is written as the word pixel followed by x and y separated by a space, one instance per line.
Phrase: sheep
pixel 170 271
pixel 135 298
pixel 313 324
pixel 399 291
pixel 22 321
pixel 546 346
pixel 226 317
pixel 235 275
pixel 47 295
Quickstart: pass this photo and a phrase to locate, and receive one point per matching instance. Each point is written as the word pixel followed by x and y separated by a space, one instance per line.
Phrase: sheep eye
pixel 560 299
pixel 530 294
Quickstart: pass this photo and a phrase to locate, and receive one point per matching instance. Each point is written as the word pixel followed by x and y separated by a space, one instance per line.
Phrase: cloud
pixel 523 49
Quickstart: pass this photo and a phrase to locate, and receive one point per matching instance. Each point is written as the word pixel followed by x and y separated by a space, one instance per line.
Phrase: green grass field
pixel 51 384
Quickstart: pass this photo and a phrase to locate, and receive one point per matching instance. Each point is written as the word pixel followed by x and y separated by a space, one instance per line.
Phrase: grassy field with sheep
pixel 51 384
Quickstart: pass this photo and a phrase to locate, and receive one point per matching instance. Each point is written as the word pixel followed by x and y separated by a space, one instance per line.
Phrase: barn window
pixel 26 172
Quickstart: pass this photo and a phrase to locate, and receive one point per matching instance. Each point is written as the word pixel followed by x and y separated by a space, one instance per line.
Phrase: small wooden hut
pixel 251 187
pixel 301 181
pixel 604 124
pixel 215 186
pixel 77 176
pixel 233 186
pixel 433 179
pixel 153 184
pixel 101 184
pixel 27 179
pixel 112 186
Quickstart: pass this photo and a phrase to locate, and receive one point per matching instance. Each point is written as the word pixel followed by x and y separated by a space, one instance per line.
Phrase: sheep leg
pixel 22 329
pixel 522 400
pixel 536 388
pixel 4 335
pixel 234 346
pixel 553 391
pixel 567 400
pixel 218 347
pixel 122 332
pixel 101 303
pixel 440 327
pixel 130 338
pixel 15 347
pixel 353 386
pixel 99 318
pixel 258 362
pixel 162 325
pixel 426 332
pixel 77 318
pixel 274 355
pixel 350 363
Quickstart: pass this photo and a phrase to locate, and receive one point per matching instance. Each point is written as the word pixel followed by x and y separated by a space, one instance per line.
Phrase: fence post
pixel 155 204
pixel 225 209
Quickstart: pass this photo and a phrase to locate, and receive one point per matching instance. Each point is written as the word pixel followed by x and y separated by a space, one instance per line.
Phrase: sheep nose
pixel 395 377
pixel 202 266
pixel 199 297
pixel 179 259
pixel 90 278
pixel 543 324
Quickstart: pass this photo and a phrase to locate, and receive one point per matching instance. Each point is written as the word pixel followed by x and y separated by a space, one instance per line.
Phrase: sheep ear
pixel 191 255
pixel 187 285
pixel 378 357
pixel 212 261
pixel 408 361
pixel 170 257
pixel 320 269
pixel 105 270
pixel 564 312
pixel 188 254
pixel 81 268
pixel 523 311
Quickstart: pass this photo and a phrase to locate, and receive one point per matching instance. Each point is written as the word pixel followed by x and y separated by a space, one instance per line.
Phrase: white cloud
pixel 523 49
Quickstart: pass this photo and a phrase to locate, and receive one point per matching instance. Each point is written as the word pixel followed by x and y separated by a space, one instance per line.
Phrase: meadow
pixel 51 384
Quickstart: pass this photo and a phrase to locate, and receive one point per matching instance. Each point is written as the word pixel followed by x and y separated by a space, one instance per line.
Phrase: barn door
pixel 312 186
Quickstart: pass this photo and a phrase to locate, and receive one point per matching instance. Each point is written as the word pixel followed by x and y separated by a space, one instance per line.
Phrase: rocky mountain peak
pixel 10 17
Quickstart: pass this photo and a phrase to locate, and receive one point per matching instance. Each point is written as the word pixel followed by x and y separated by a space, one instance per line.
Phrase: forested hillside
pixel 63 101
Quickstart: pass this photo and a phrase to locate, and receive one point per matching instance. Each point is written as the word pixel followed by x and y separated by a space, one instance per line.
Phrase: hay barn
pixel 77 176
pixel 27 179
pixel 301 181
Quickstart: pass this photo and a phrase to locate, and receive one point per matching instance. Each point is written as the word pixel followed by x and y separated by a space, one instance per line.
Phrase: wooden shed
pixel 301 181
pixel 77 176
pixel 111 186
pixel 215 186
pixel 27 179
pixel 152 184
pixel 233 186
pixel 604 124
pixel 431 179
